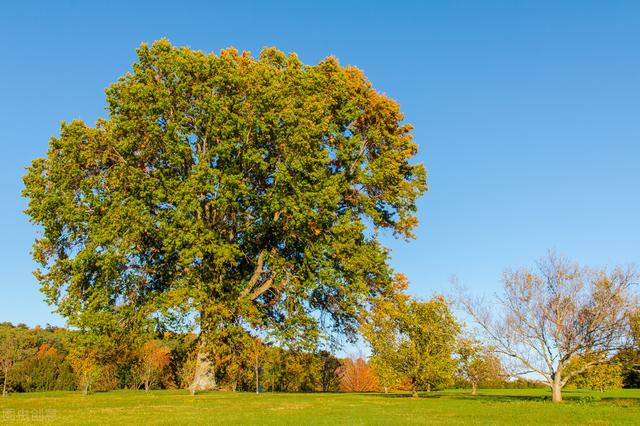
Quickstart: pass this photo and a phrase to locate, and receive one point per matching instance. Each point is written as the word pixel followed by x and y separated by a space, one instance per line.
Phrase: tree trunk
pixel 85 386
pixel 4 386
pixel 474 388
pixel 556 391
pixel 257 377
pixel 414 393
pixel 386 389
pixel 204 377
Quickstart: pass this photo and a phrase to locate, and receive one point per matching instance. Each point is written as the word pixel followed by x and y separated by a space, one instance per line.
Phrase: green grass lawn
pixel 495 406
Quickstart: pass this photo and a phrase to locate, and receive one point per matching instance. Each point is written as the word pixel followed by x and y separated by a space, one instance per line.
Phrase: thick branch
pixel 260 290
pixel 256 275
pixel 267 285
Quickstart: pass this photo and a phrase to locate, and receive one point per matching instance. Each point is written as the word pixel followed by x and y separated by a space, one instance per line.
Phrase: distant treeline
pixel 43 359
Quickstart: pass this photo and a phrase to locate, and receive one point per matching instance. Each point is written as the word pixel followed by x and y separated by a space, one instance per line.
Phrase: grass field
pixel 499 406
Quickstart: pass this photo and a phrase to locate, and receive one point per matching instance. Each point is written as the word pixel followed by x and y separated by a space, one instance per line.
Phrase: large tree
pixel 546 318
pixel 228 192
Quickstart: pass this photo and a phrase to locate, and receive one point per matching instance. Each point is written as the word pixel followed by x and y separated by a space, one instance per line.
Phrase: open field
pixel 500 406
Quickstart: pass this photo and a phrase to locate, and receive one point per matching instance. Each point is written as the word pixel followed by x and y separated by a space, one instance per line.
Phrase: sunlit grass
pixel 493 406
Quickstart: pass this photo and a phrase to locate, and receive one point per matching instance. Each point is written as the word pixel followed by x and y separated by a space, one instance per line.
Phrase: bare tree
pixel 545 318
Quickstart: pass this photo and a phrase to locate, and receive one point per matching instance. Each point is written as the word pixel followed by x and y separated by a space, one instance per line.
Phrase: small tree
pixel 329 371
pixel 273 368
pixel 386 371
pixel 356 376
pixel 154 358
pixel 381 330
pixel 478 364
pixel 629 358
pixel 258 349
pixel 429 333
pixel 46 370
pixel 93 358
pixel 8 354
pixel 552 315
pixel 412 339
pixel 13 348
pixel 86 367
pixel 600 377
pixel 302 371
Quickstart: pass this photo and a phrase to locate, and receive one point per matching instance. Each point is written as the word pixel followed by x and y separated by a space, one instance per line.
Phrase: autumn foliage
pixel 356 376
pixel 154 358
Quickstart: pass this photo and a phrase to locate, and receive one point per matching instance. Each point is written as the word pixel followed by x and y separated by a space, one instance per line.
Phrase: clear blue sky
pixel 527 114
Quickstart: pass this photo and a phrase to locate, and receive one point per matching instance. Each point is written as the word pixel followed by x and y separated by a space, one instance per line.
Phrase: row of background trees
pixel 415 346
pixel 45 359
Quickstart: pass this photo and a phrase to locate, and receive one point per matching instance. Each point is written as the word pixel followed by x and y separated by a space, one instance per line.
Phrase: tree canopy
pixel 411 340
pixel 225 191
pixel 548 318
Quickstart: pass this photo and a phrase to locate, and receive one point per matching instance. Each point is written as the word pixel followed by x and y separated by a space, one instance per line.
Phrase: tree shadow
pixel 573 398
pixel 460 396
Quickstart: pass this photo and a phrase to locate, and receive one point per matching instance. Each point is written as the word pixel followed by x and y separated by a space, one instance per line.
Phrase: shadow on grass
pixel 625 401
pixel 459 396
